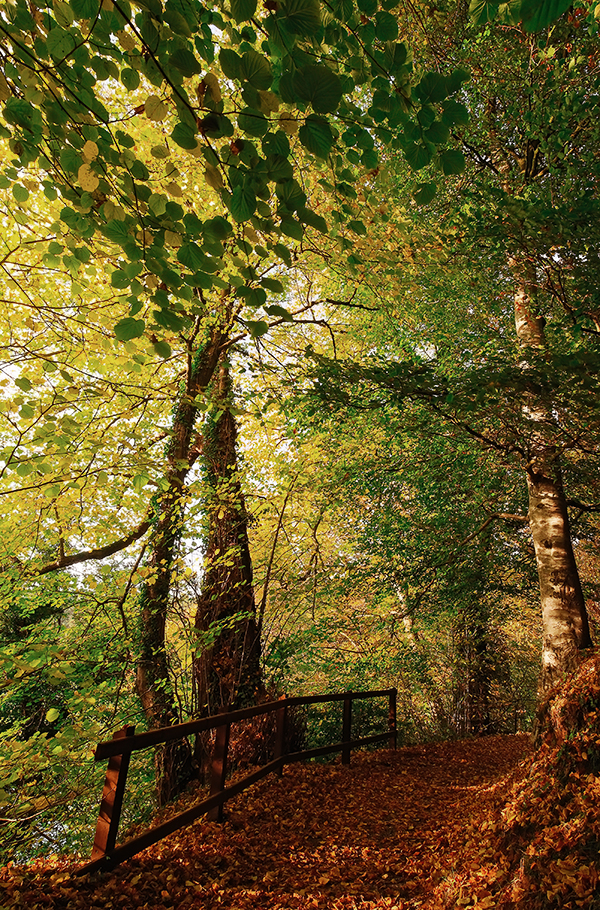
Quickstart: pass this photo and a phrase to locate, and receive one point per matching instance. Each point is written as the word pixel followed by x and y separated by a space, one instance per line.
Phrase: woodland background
pixel 299 326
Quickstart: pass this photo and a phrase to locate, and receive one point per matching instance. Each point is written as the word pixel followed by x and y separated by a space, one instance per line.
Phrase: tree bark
pixel 173 761
pixel 227 668
pixel 564 615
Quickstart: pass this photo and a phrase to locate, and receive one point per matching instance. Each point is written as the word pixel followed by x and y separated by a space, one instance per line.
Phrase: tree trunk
pixel 153 684
pixel 564 615
pixel 227 668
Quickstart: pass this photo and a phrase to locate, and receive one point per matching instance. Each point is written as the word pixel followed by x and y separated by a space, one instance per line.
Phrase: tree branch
pixel 97 553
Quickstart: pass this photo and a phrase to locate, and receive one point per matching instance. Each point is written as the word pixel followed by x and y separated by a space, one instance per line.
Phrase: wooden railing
pixel 105 853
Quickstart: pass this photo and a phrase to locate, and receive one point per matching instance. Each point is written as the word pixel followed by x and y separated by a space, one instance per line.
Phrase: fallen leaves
pixel 384 833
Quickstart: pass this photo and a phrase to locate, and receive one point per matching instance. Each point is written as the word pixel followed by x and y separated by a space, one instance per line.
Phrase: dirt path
pixel 386 832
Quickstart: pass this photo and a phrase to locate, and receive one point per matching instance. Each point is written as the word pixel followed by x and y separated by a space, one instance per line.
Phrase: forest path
pixel 388 831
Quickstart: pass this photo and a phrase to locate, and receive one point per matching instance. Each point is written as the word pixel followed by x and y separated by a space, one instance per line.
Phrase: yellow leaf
pixel 212 84
pixel 90 150
pixel 288 124
pixel 87 179
pixel 154 108
pixel 213 177
pixel 126 40
pixel 173 239
pixel 269 102
pixel 4 88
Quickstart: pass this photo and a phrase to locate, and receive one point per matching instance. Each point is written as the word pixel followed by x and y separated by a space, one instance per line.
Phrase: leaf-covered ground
pixel 480 823
pixel 385 832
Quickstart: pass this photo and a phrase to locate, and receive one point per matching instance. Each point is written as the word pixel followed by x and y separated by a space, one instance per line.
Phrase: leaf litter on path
pixel 387 832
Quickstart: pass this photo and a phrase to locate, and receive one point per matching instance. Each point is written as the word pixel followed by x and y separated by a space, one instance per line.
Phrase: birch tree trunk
pixel 564 615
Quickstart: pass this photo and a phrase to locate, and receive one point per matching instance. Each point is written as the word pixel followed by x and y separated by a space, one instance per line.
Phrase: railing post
pixel 280 732
pixel 347 728
pixel 112 799
pixel 219 769
pixel 392 718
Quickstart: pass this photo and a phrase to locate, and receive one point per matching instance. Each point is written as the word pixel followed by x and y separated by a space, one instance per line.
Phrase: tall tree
pixel 227 670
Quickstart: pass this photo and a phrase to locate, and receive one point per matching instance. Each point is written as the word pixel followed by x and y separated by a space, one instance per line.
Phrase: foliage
pixel 544 845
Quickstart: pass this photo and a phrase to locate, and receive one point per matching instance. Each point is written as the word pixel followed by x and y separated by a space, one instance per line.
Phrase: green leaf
pixel 184 136
pixel 140 480
pixel 426 116
pixel 253 122
pixel 52 715
pixel 438 133
pixel 84 9
pixel 192 256
pixel 279 311
pixel 177 22
pixel 253 297
pixel 242 10
pixel 417 155
pixel 231 63
pixel 272 284
pixel 170 320
pixel 24 384
pixel 20 193
pixel 119 279
pixel 162 349
pixel 482 11
pixel 284 254
pixel 425 192
pixel 455 80
pixel 24 115
pixel 257 329
pixel 129 328
pixel 312 219
pixel 319 86
pixel 60 43
pixel 316 136
pixel 116 231
pixel 255 69
pixel 291 228
pixel 386 26
pixel 242 204
pixel 432 88
pixel 454 113
pixel 130 79
pixel 358 227
pixel 70 160
pixel 537 14
pixel 185 62
pixel 301 17
pixel 218 228
pixel 452 162
pixel 62 13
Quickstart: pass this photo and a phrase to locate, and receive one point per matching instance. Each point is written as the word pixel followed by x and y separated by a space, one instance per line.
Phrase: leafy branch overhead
pixel 126 114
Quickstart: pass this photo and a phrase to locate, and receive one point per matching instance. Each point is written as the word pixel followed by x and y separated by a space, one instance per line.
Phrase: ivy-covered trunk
pixel 173 760
pixel 564 615
pixel 227 667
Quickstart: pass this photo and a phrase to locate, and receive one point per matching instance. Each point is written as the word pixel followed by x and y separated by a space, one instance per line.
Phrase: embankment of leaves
pixel 542 849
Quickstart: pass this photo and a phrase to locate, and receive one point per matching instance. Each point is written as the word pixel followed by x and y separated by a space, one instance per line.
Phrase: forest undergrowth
pixel 478 823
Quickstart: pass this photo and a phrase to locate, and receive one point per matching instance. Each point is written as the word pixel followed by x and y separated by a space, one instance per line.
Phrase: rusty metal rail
pixel 106 855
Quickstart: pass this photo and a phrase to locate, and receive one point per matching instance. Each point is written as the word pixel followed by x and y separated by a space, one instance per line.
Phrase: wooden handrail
pixel 179 731
pixel 106 855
